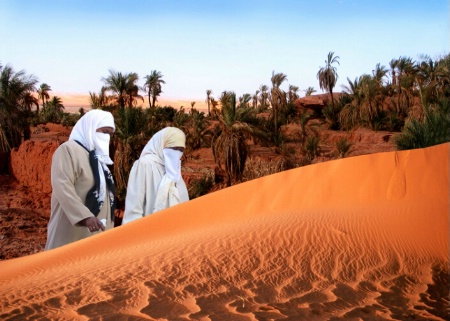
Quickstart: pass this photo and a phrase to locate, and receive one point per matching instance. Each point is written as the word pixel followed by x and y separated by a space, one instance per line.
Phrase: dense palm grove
pixel 410 97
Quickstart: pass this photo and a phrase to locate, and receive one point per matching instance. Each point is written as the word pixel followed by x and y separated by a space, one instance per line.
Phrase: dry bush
pixel 255 167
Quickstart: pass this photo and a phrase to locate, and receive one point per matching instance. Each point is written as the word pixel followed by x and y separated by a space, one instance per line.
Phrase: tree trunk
pixel 26 132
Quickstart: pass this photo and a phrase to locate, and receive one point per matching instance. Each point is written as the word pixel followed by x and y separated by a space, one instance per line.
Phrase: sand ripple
pixel 263 250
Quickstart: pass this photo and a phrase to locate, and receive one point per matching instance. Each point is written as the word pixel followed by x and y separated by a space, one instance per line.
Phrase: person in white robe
pixel 82 201
pixel 155 182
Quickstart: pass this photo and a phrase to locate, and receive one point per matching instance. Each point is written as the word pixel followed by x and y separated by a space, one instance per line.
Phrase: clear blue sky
pixel 218 45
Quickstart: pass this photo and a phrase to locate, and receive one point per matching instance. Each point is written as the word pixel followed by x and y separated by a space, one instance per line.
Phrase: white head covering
pixel 84 130
pixel 157 149
pixel 167 137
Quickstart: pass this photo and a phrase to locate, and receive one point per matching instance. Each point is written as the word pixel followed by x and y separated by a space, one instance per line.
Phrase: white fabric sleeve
pixel 167 194
pixel 135 198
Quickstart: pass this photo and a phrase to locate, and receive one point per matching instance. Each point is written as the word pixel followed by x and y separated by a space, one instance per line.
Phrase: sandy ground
pixel 361 238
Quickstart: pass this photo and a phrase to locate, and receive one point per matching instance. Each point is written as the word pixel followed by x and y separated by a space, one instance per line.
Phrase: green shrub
pixel 312 147
pixel 69 119
pixel 343 147
pixel 432 129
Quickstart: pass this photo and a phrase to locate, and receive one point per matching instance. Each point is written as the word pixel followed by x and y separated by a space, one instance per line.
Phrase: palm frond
pixel 4 144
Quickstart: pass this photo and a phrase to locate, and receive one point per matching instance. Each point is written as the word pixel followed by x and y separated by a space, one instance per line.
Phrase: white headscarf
pixel 167 137
pixel 85 133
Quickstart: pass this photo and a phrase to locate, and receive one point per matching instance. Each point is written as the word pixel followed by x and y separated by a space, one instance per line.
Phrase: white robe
pixel 72 178
pixel 150 190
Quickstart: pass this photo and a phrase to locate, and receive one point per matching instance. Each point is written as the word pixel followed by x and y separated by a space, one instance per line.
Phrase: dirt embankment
pixel 30 164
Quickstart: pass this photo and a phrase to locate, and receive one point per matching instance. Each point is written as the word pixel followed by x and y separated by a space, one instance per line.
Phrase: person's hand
pixel 93 224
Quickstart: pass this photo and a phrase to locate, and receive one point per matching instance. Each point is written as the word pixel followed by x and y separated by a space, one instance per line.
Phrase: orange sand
pixel 362 238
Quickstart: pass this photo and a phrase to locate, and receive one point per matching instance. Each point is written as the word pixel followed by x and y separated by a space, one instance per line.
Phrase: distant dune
pixel 73 102
pixel 361 238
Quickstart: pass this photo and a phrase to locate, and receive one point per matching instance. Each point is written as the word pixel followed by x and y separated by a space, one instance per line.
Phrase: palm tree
pixel 309 91
pixel 379 73
pixel 229 146
pixel 244 100
pixel 444 63
pixel 133 95
pixel 405 76
pixel 197 132
pixel 370 99
pixel 394 86
pixel 214 108
pixel 328 76
pixel 130 137
pixel 15 91
pixel 303 119
pixel 292 93
pixel 393 64
pixel 277 97
pixel 99 100
pixel 208 100
pixel 277 79
pixel 255 100
pixel 43 94
pixel 432 78
pixel 350 114
pixel 53 110
pixel 180 119
pixel 264 96
pixel 28 101
pixel 153 84
pixel 56 104
pixel 122 85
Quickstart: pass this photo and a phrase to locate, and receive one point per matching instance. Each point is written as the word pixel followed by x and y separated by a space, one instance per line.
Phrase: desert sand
pixel 360 238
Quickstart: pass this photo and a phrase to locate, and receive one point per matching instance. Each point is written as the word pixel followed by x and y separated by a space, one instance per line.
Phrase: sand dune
pixel 362 238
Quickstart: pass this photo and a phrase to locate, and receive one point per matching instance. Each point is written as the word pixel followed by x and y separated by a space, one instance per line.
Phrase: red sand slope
pixel 362 238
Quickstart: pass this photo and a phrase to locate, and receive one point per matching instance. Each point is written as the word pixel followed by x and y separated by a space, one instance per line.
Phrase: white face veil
pixel 172 163
pixel 101 147
pixel 85 132
pixel 167 137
